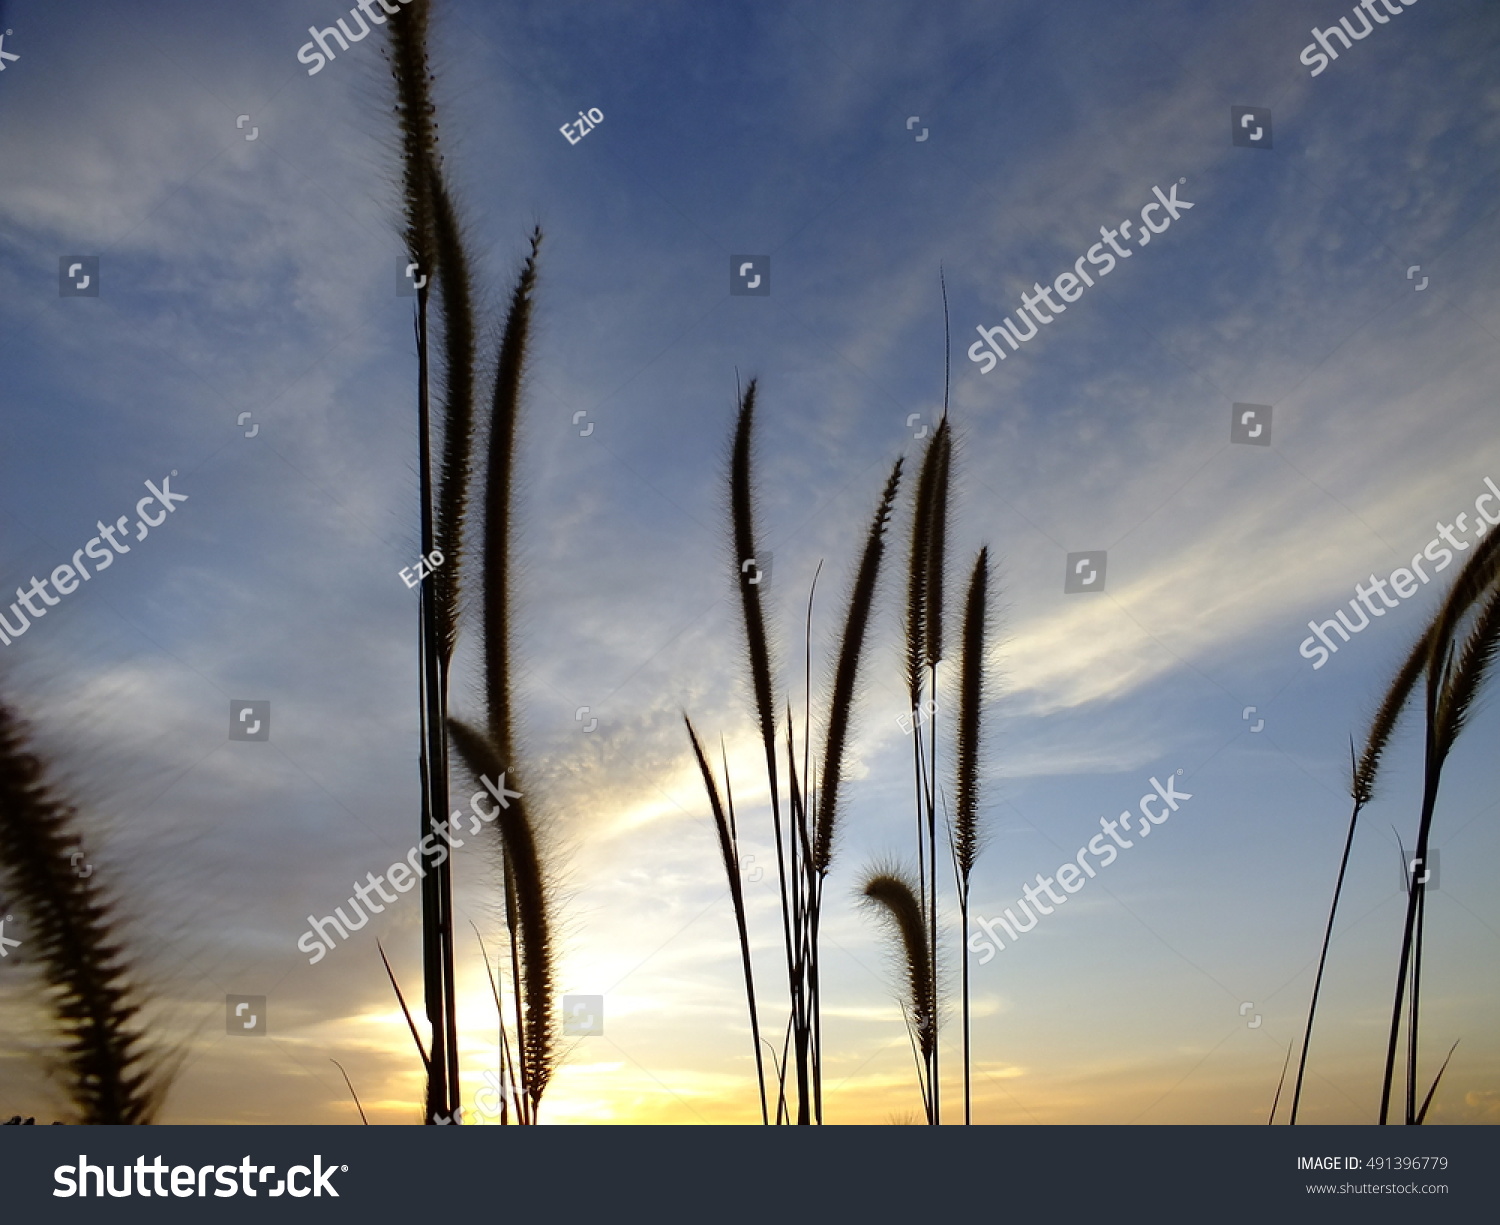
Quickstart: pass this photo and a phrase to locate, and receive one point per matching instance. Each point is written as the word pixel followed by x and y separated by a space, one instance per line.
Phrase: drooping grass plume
pixel 499 493
pixel 113 1073
pixel 758 642
pixel 729 849
pixel 846 675
pixel 896 900
pixel 1454 677
pixel 523 864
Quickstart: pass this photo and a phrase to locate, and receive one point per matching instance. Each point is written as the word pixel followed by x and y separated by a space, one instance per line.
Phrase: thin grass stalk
pixel 506 1081
pixel 1413 1019
pixel 405 1011
pixel 352 1093
pixel 434 250
pixel 730 853
pixel 112 1074
pixel 1437 1080
pixel 813 884
pixel 513 938
pixel 1281 1083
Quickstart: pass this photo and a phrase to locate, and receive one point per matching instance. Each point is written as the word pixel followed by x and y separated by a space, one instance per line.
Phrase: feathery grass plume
pixel 113 1075
pixel 1451 689
pixel 846 675
pixel 758 657
pixel 742 522
pixel 456 295
pixel 892 893
pixel 498 494
pixel 971 688
pixel 730 852
pixel 971 691
pixel 523 862
pixel 1458 684
pixel 414 120
pixel 927 504
pixel 937 545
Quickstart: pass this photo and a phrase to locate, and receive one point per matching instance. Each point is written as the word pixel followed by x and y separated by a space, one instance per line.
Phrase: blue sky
pixel 257 276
